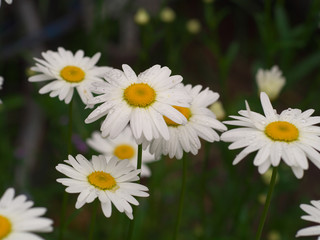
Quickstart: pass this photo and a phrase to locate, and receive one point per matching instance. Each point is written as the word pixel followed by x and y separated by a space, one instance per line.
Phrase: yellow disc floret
pixel 124 151
pixel 139 95
pixel 185 111
pixel 282 131
pixel 72 74
pixel 5 227
pixel 102 180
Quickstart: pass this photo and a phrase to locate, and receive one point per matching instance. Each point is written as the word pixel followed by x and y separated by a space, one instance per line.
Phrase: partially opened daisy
pixel 67 71
pixel 291 136
pixel 270 81
pixel 7 1
pixel 201 123
pixel 122 147
pixel 313 212
pixel 109 180
pixel 19 220
pixel 140 101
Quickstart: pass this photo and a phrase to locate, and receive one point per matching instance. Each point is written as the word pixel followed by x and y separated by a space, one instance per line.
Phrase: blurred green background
pixel 219 44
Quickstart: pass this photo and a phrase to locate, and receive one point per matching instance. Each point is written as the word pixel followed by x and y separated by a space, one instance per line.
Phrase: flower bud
pixel 270 81
pixel 218 110
pixel 141 17
pixel 193 26
pixel 167 15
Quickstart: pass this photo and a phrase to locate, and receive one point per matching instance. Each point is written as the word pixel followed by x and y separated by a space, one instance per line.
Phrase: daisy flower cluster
pixel 153 109
pixel 161 112
pixel 19 220
pixel 156 111
pixel 145 116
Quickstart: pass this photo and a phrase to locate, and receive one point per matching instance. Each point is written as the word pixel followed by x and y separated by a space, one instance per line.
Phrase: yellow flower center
pixel 5 227
pixel 124 151
pixel 72 74
pixel 139 95
pixel 185 111
pixel 282 131
pixel 102 180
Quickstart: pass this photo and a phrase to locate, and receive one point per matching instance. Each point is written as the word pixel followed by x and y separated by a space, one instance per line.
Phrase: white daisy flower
pixel 314 216
pixel 1 83
pixel 7 1
pixel 140 101
pixel 18 220
pixel 270 81
pixel 290 135
pixel 122 147
pixel 68 71
pixel 201 123
pixel 109 180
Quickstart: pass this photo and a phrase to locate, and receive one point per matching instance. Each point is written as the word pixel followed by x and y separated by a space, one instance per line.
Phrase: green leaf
pixel 281 22
pixel 231 54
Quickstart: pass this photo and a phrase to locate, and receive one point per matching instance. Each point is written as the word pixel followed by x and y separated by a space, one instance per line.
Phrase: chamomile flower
pixel 67 71
pixel 313 212
pixel 122 147
pixel 140 101
pixel 1 83
pixel 109 180
pixel 18 220
pixel 201 123
pixel 7 1
pixel 290 136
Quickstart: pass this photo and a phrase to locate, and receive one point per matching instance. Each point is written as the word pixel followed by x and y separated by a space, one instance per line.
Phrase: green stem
pixel 132 222
pixel 65 194
pixel 182 194
pixel 204 183
pixel 139 161
pixel 93 220
pixel 72 216
pixel 267 203
pixel 70 128
pixel 267 10
pixel 63 215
